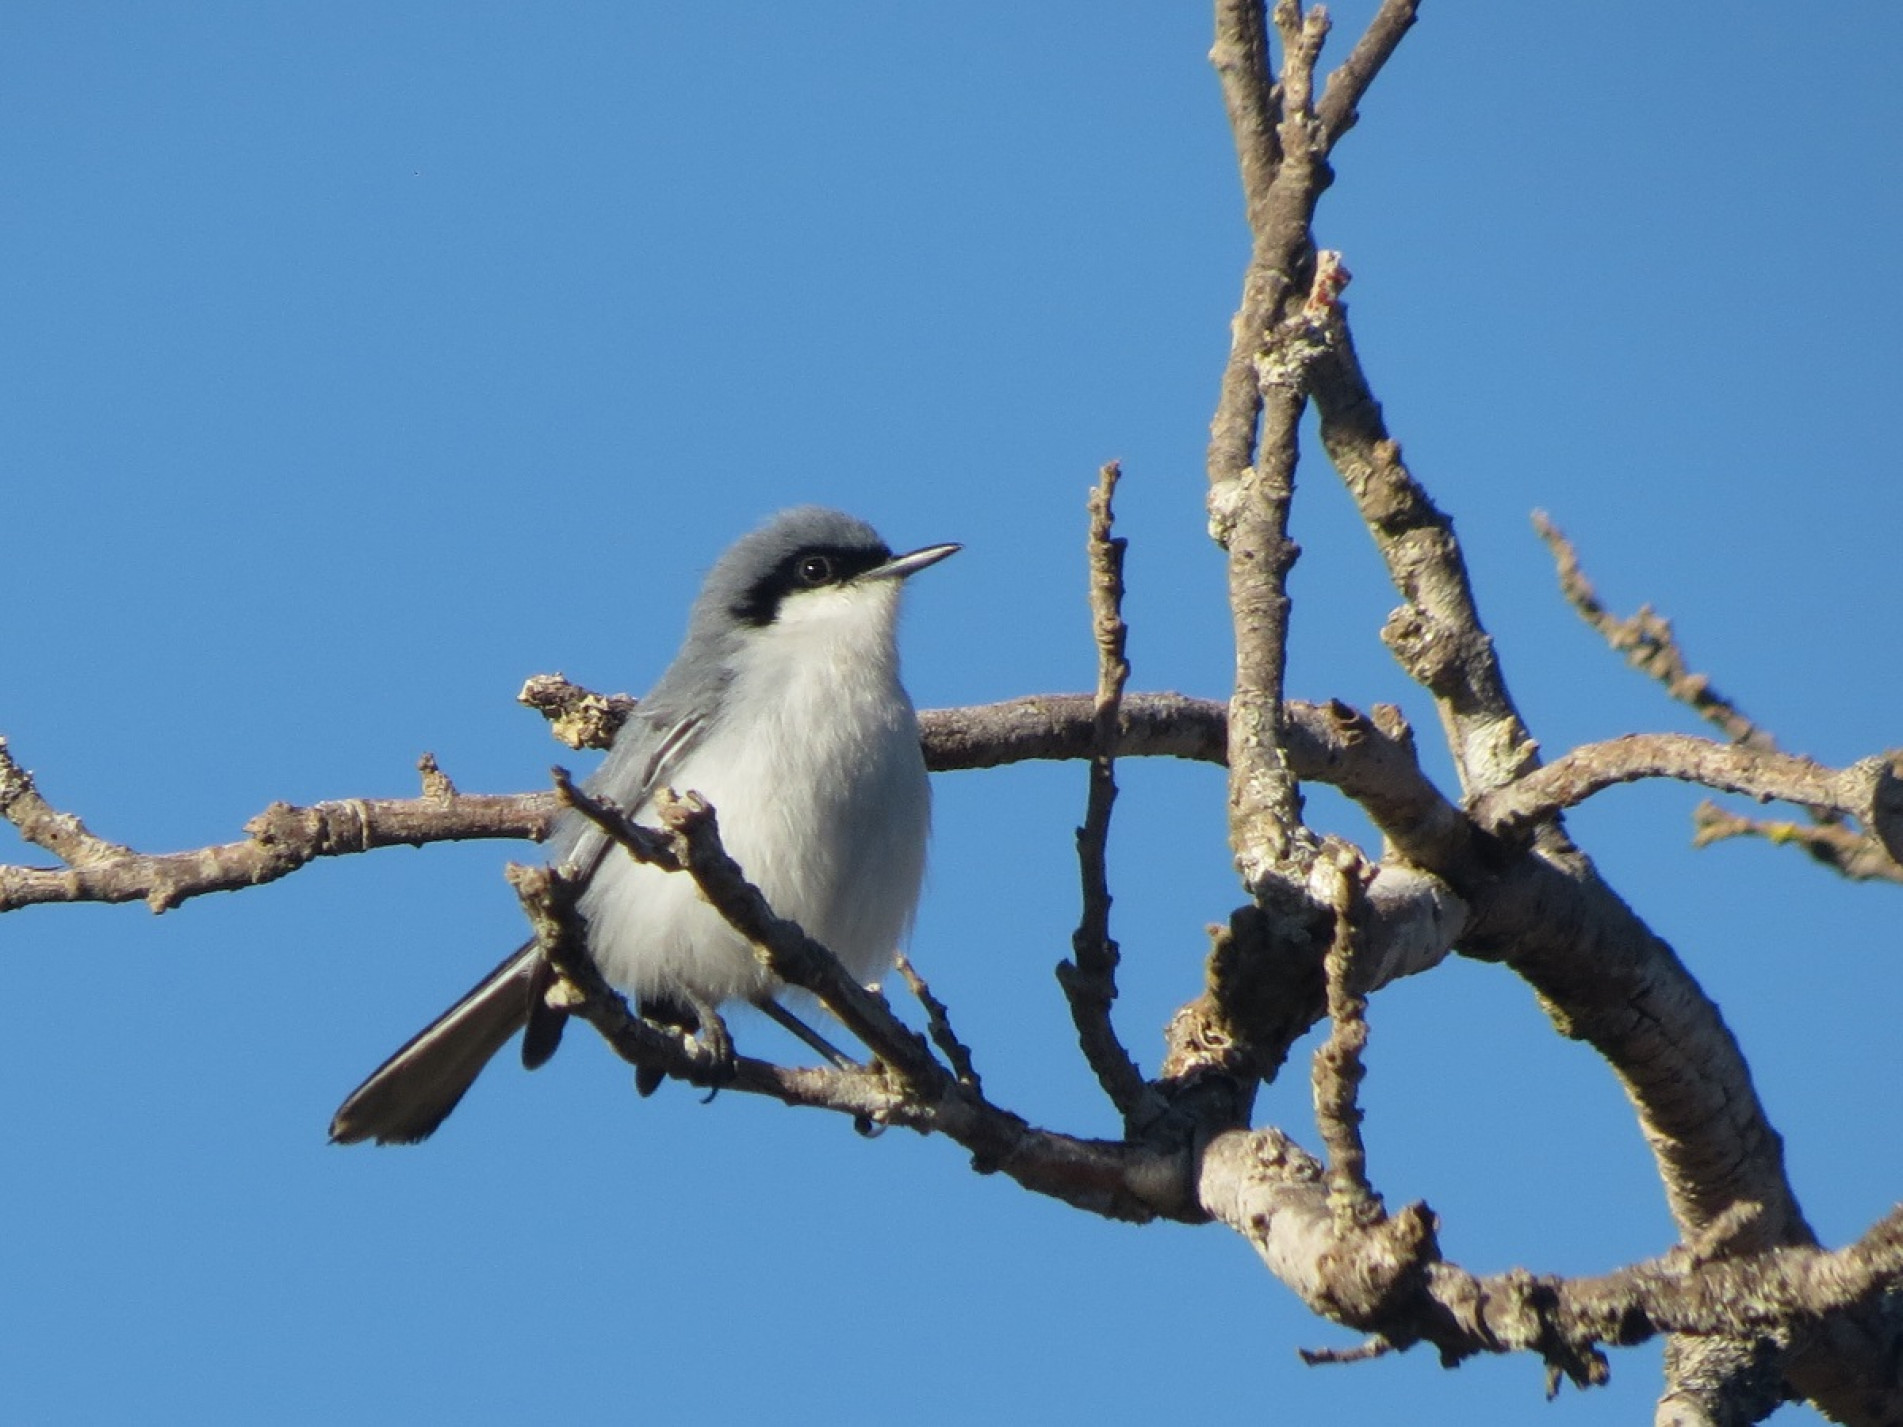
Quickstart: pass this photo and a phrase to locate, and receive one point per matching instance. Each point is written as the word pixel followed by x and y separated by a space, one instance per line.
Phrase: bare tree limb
pixel 1722 1382
pixel 1253 452
pixel 549 901
pixel 1370 759
pixel 1338 1068
pixel 281 839
pixel 938 1025
pixel 1061 726
pixel 284 838
pixel 1869 791
pixel 1649 645
pixel 1854 855
pixel 787 951
pixel 1609 980
pixel 1604 976
pixel 1240 57
pixel 1124 1182
pixel 1090 980
pixel 1337 109
pixel 1437 636
pixel 1281 149
pixel 61 834
pixel 1116 1181
pixel 1396 1284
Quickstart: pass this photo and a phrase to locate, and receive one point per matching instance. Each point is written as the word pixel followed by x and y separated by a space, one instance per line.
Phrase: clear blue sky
pixel 361 360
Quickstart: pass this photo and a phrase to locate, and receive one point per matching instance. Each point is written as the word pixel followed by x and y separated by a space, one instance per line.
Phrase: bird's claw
pixel 713 1049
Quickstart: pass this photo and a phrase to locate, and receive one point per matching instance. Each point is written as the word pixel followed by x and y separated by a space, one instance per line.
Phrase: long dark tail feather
pixel 542 1037
pixel 412 1092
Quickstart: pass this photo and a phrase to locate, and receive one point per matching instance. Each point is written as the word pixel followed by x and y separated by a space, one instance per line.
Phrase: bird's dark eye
pixel 816 570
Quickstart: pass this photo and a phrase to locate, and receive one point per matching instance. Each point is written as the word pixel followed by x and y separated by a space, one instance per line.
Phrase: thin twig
pixel 1240 57
pixel 1337 108
pixel 61 834
pixel 643 843
pixel 938 1024
pixel 280 840
pixel 1367 1350
pixel 1090 979
pixel 1302 34
pixel 1852 854
pixel 1338 1068
pixel 1649 645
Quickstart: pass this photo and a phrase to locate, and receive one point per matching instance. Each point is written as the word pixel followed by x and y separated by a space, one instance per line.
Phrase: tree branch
pixel 280 840
pixel 1253 452
pixel 787 951
pixel 1437 637
pixel 1090 981
pixel 1649 645
pixel 1391 1279
pixel 61 834
pixel 1853 855
pixel 1117 1181
pixel 938 1025
pixel 1338 1068
pixel 1337 109
pixel 1869 791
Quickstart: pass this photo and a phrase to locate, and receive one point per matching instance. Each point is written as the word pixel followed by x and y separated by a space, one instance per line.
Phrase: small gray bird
pixel 785 711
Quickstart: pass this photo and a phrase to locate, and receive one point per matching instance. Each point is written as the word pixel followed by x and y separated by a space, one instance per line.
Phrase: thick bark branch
pixel 1253 452
pixel 1389 1278
pixel 1608 979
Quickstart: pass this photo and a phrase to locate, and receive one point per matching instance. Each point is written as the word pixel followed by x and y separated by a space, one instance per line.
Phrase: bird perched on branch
pixel 784 710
